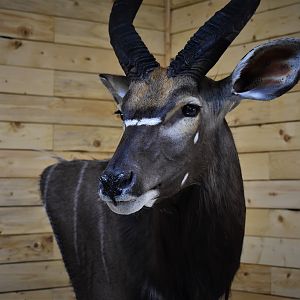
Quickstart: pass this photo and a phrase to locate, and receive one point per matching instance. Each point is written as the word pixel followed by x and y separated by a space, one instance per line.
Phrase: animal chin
pixel 130 204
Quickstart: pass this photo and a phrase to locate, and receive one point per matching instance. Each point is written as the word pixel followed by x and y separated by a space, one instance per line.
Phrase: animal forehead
pixel 157 90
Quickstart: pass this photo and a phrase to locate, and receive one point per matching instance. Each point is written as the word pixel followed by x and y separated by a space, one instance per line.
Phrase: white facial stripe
pixel 184 179
pixel 145 121
pixel 196 138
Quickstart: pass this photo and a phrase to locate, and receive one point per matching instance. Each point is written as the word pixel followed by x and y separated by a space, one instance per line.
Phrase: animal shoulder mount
pixel 164 218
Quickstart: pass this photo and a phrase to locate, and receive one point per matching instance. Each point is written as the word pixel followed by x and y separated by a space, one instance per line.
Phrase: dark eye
pixel 190 110
pixel 120 114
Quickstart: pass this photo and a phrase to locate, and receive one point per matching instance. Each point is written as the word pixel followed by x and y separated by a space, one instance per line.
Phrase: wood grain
pixel 272 137
pixel 271 251
pixel 16 135
pixel 235 295
pixel 264 24
pixel 24 164
pixel 264 5
pixel 83 138
pixel 19 191
pixel 32 275
pixel 48 294
pixel 285 166
pixel 54 110
pixel 29 247
pixel 26 80
pixel 149 16
pixel 285 282
pixel 286 108
pixel 272 223
pixel 85 33
pixel 272 194
pixel 26 26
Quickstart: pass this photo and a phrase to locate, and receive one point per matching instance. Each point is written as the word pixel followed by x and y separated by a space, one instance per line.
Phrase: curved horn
pixel 133 55
pixel 212 39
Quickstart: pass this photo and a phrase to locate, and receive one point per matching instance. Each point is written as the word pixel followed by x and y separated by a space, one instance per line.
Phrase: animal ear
pixel 268 71
pixel 117 85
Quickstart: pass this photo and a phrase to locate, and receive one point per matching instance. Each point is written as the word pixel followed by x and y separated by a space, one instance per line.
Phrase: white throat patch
pixel 128 204
pixel 145 122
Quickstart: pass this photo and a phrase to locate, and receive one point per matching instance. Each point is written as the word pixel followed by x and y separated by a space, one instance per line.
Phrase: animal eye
pixel 190 110
pixel 120 114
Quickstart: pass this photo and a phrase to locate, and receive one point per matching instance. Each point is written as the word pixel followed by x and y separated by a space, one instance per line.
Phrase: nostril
pixel 124 179
pixel 113 184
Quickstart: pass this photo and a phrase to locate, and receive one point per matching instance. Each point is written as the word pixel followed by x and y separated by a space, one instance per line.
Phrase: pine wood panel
pixel 19 191
pixel 255 166
pixel 267 280
pixel 22 108
pixel 16 135
pixel 273 223
pixel 26 25
pixel 271 251
pixel 29 247
pixel 285 166
pixel 60 57
pixel 94 34
pixel 49 294
pixel 148 17
pixel 263 26
pixel 264 5
pixel 24 163
pixel 26 80
pixel 272 194
pixel 23 220
pixel 253 278
pixel 272 137
pixel 79 85
pixel 235 295
pixel 33 275
pixel 286 108
pixel 83 138
pixel 273 165
pixel 285 282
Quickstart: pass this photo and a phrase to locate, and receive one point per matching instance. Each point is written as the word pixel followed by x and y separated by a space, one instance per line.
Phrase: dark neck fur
pixel 194 238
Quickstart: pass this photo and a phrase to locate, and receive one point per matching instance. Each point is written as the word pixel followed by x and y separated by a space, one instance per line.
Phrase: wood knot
pixel 249 200
pixel 280 219
pixel 16 125
pixel 25 31
pixel 88 58
pixel 288 275
pixel 17 44
pixel 272 194
pixel 97 143
pixel 76 3
pixel 246 273
pixel 36 245
pixel 287 137
pixel 281 132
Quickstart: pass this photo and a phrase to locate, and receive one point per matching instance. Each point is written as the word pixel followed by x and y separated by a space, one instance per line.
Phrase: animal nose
pixel 113 184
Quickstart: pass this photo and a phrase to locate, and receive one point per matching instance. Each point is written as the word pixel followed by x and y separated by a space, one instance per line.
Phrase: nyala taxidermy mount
pixel 164 218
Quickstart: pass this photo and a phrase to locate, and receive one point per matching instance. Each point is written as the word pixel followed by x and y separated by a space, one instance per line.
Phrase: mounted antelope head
pixel 174 118
pixel 177 156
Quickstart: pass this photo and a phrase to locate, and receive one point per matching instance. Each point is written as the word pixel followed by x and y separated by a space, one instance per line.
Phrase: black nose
pixel 113 184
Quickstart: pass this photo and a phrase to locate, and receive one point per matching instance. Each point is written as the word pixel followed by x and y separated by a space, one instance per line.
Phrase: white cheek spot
pixel 196 138
pixel 184 179
pixel 145 121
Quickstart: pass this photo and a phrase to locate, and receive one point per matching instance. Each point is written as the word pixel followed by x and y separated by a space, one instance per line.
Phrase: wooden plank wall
pixel 52 104
pixel 268 140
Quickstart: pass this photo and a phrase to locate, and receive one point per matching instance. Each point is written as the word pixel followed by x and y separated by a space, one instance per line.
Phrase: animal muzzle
pixel 115 184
